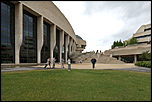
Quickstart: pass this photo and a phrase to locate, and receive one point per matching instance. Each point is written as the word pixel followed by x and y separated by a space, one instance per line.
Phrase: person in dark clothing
pixel 93 60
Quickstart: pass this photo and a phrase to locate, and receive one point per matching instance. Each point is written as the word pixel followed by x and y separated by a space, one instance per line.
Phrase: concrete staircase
pixel 86 58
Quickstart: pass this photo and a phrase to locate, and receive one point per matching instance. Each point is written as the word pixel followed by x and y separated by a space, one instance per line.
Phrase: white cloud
pixel 102 22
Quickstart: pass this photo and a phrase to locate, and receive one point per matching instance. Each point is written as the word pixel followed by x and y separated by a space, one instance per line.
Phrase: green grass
pixel 76 85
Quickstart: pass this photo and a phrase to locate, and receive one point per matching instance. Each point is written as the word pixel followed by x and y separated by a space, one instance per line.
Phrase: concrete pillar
pixel 66 47
pixel 61 43
pixel 135 58
pixel 18 30
pixel 73 47
pixel 53 41
pixel 120 58
pixel 71 42
pixel 39 37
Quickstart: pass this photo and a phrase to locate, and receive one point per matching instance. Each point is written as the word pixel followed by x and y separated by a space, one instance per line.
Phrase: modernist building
pixel 143 34
pixel 81 44
pixel 32 31
pixel 131 53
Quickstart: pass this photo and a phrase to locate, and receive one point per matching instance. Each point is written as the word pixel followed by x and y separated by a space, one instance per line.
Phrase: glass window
pixel 7 32
pixel 28 52
pixel 45 52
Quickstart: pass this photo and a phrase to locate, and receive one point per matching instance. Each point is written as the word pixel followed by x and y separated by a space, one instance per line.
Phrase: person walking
pixel 62 63
pixel 47 63
pixel 80 61
pixel 93 60
pixel 69 64
pixel 54 62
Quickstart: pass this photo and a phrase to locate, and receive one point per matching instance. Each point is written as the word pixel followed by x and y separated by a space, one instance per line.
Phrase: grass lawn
pixel 76 85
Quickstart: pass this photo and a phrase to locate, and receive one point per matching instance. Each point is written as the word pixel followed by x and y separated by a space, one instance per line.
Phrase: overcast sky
pixel 101 23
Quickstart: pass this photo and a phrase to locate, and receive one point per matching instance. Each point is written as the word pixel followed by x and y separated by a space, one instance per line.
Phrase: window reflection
pixel 7 32
pixel 28 48
pixel 45 52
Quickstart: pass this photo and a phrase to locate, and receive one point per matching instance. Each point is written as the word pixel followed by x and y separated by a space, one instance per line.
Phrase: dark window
pixel 147 29
pixel 7 32
pixel 28 50
pixel 56 52
pixel 63 48
pixel 143 36
pixel 45 52
pixel 82 46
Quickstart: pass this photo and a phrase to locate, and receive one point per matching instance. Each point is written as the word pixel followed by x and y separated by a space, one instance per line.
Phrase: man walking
pixel 47 63
pixel 93 60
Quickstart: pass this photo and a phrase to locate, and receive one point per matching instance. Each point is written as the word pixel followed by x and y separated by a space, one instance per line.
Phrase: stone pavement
pixel 98 66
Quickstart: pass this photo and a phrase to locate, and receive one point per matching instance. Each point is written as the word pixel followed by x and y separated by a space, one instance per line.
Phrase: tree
pixel 145 56
pixel 133 41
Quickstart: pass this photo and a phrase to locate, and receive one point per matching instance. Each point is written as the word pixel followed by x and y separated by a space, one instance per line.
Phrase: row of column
pixel 19 36
pixel 135 58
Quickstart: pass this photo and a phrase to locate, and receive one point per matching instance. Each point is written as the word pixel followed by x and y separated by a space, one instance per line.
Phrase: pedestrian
pixel 100 51
pixel 47 63
pixel 69 64
pixel 97 52
pixel 80 61
pixel 93 60
pixel 54 62
pixel 62 63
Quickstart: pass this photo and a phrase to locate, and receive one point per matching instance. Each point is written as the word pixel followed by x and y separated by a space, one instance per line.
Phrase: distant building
pixel 81 44
pixel 143 34
pixel 32 31
pixel 131 53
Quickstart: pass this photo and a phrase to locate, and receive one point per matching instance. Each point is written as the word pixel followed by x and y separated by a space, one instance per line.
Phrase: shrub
pixel 144 64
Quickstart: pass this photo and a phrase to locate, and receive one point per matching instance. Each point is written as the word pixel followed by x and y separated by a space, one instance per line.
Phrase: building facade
pixel 81 44
pixel 143 34
pixel 131 53
pixel 32 31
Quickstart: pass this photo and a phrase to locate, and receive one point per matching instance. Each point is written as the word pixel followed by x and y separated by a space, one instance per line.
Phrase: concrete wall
pixel 48 12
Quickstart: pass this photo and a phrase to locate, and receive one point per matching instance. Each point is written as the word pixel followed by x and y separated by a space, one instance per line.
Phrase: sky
pixel 100 23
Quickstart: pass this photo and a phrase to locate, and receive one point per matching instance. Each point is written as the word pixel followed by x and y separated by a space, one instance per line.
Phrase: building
pixel 81 44
pixel 131 53
pixel 32 31
pixel 143 34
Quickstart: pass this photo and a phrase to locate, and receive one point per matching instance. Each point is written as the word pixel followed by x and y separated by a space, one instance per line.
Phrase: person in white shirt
pixel 54 62
pixel 69 64
pixel 47 63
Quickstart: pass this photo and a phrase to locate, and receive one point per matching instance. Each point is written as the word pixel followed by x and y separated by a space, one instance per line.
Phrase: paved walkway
pixel 98 66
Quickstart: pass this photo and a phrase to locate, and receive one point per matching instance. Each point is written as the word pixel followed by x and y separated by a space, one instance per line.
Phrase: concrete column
pixel 53 41
pixel 61 43
pixel 39 37
pixel 18 30
pixel 120 58
pixel 73 47
pixel 71 42
pixel 135 58
pixel 66 49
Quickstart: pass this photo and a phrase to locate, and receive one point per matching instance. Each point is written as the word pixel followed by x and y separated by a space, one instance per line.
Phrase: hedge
pixel 144 64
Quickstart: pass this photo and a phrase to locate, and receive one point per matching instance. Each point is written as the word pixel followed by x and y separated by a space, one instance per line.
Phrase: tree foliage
pixel 117 43
pixel 145 56
pixel 125 43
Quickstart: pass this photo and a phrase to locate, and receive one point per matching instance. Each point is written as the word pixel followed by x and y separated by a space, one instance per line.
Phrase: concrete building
pixel 32 31
pixel 131 53
pixel 81 44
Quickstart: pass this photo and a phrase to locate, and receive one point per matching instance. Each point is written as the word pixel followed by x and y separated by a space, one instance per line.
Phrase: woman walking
pixel 69 64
